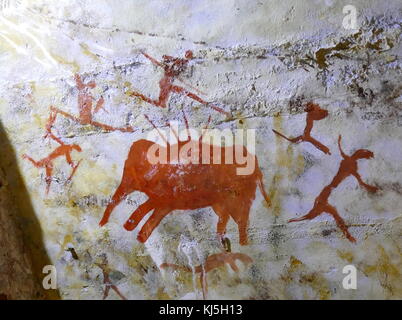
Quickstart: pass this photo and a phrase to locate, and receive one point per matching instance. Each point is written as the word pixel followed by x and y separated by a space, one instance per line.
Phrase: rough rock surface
pixel 17 279
pixel 260 60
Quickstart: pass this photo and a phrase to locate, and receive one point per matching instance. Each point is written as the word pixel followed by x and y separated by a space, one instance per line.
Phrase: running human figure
pixel 314 113
pixel 85 107
pixel 64 150
pixel 172 67
pixel 107 282
pixel 347 168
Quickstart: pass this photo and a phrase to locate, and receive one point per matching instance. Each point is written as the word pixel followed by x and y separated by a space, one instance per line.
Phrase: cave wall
pixel 261 61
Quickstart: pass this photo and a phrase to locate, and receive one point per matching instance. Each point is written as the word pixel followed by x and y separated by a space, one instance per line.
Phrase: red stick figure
pixel 85 99
pixel 47 163
pixel 213 261
pixel 314 113
pixel 347 167
pixel 172 67
pixel 108 283
pixel 85 107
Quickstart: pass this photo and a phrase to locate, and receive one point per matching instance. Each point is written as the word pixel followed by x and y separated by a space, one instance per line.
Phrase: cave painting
pixel 172 67
pixel 64 150
pixel 188 186
pixel 85 107
pixel 214 261
pixel 348 167
pixel 108 283
pixel 314 113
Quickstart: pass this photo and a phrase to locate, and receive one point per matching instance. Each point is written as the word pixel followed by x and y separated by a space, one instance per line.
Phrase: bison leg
pixel 122 191
pixel 223 219
pixel 240 212
pixel 243 233
pixel 138 214
pixel 241 216
pixel 152 223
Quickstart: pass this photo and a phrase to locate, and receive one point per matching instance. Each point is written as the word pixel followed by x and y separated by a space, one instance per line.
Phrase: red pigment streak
pixel 108 283
pixel 172 67
pixel 348 167
pixel 47 163
pixel 187 187
pixel 85 107
pixel 314 113
pixel 213 261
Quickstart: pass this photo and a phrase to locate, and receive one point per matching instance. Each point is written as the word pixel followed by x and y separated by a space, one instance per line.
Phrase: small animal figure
pixel 47 163
pixel 348 167
pixel 314 113
pixel 214 261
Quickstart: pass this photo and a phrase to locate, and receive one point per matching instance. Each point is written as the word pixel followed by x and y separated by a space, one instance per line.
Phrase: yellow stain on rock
pixel 85 50
pixel 3 105
pixel 38 120
pixel 273 191
pixel 162 295
pixel 73 209
pixel 85 180
pixel 45 92
pixel 299 164
pixel 68 238
pixel 389 273
pixel 294 263
pixel 299 272
pixel 282 160
pixel 345 255
pixel 318 283
pixel 73 64
pixel 288 165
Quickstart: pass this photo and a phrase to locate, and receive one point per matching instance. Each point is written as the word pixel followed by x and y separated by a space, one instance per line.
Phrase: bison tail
pixel 262 189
